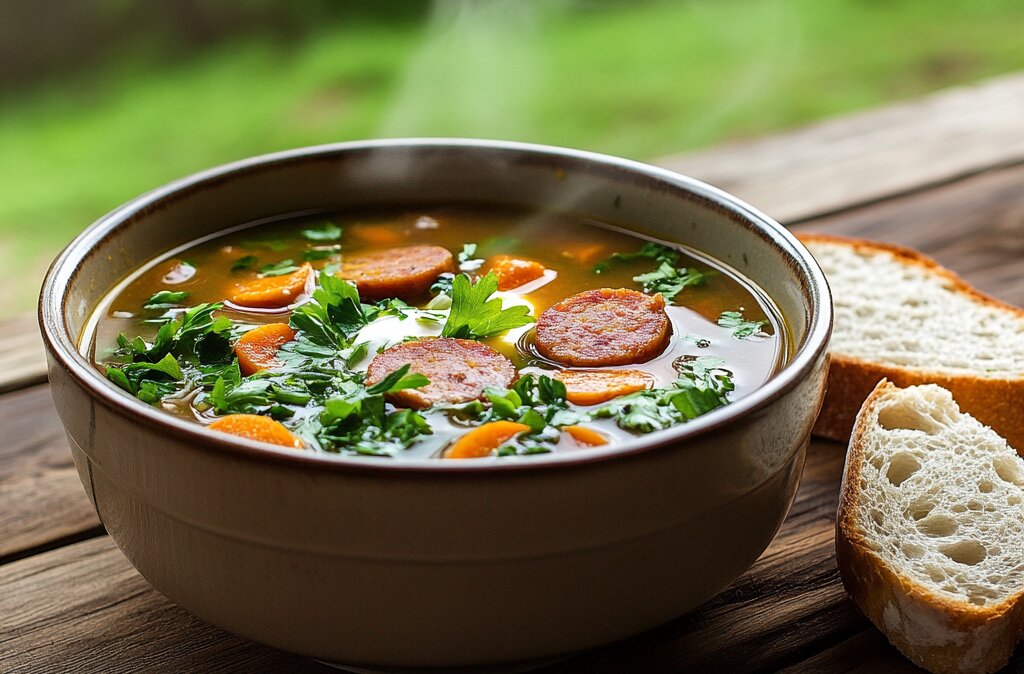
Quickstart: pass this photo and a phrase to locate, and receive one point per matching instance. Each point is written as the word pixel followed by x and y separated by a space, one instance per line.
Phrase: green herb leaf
pixel 279 268
pixel 166 299
pixel 329 232
pixel 276 245
pixel 320 253
pixel 650 250
pixel 474 315
pixel 741 328
pixel 468 261
pixel 669 281
pixel 245 262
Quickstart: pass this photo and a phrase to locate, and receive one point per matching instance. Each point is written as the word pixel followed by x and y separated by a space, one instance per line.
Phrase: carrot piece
pixel 513 272
pixel 378 235
pixel 272 292
pixel 483 440
pixel 257 349
pixel 256 427
pixel 586 253
pixel 592 387
pixel 586 436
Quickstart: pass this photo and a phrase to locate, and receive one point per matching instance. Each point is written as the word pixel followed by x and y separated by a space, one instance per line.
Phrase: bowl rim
pixel 62 346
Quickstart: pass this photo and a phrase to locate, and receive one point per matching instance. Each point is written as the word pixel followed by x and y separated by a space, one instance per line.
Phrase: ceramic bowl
pixel 392 564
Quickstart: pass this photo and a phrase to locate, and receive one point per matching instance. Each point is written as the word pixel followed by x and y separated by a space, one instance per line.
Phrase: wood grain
pixel 79 606
pixel 873 155
pixel 42 499
pixel 83 608
pixel 22 361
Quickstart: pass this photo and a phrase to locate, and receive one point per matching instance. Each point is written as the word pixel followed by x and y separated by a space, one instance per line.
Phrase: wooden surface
pixel 69 601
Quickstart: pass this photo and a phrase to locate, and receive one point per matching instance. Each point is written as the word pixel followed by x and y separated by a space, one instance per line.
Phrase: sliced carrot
pixel 272 292
pixel 592 387
pixel 256 427
pixel 513 272
pixel 586 436
pixel 257 349
pixel 483 440
pixel 586 253
pixel 378 235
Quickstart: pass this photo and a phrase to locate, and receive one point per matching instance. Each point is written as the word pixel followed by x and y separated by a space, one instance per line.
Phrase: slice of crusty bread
pixel 930 531
pixel 900 315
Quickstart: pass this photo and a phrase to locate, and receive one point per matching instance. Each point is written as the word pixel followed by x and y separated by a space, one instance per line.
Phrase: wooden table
pixel 944 174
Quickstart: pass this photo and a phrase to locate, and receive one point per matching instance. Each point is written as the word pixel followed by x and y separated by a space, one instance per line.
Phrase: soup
pixel 459 332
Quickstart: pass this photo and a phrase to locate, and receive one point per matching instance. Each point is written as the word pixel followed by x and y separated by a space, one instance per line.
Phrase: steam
pixel 477 73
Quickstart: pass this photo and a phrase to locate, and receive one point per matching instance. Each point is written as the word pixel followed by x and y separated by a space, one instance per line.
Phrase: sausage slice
pixel 458 369
pixel 604 327
pixel 405 272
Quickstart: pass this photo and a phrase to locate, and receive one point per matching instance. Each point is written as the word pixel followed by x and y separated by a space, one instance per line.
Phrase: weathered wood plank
pixel 871 155
pixel 83 608
pixel 22 362
pixel 42 499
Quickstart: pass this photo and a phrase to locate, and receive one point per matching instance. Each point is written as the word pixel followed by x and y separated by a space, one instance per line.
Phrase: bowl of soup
pixel 437 403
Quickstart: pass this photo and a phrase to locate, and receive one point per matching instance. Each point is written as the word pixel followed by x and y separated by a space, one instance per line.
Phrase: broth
pixel 715 315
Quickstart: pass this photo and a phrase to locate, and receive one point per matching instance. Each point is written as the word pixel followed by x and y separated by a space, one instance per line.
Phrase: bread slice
pixel 930 531
pixel 900 315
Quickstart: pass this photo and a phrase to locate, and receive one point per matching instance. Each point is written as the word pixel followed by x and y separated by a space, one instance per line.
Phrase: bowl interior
pixel 640 198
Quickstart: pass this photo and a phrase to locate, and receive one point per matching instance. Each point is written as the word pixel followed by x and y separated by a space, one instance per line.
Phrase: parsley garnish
pixel 320 253
pixel 468 261
pixel 279 268
pixel 650 250
pixel 329 232
pixel 475 315
pixel 669 281
pixel 245 262
pixel 165 299
pixel 741 328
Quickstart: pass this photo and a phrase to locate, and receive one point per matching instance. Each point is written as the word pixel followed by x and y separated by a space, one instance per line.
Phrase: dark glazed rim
pixel 62 345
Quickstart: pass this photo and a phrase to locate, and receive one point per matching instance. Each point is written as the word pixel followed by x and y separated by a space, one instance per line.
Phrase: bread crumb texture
pixel 942 498
pixel 914 316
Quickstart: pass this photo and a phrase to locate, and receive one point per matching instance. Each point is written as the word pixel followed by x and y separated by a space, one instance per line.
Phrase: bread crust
pixel 938 633
pixel 996 402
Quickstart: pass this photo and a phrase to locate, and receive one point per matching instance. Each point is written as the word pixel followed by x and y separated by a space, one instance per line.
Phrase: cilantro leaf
pixel 475 315
pixel 166 299
pixel 329 232
pixel 669 281
pixel 741 328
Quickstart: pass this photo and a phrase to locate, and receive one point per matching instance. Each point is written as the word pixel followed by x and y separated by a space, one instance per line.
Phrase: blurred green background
pixel 103 99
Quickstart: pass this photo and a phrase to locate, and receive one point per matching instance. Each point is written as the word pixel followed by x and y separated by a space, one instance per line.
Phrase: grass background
pixel 638 79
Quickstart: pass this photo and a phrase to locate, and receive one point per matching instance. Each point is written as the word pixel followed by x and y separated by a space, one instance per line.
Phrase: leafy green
pixel 329 232
pixel 358 421
pixel 166 299
pixel 443 284
pixel 332 316
pixel 669 280
pixel 741 328
pixel 650 250
pixel 320 253
pixel 148 381
pixel 702 386
pixel 279 268
pixel 245 262
pixel 468 261
pixel 474 315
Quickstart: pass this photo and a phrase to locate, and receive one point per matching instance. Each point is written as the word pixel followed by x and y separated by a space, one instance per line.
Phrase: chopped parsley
pixel 476 315
pixel 468 261
pixel 279 268
pixel 165 299
pixel 741 328
pixel 244 263
pixel 669 280
pixel 320 253
pixel 329 232
pixel 654 251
